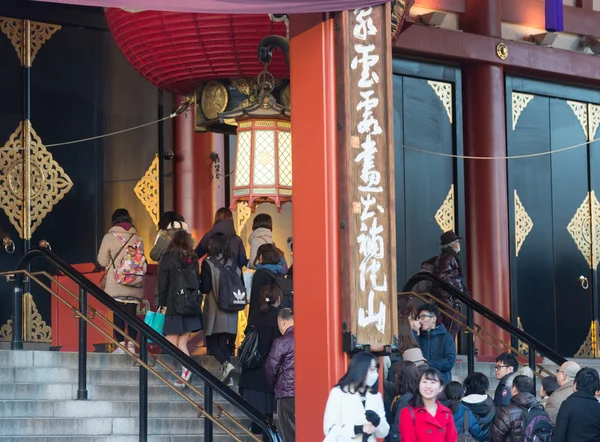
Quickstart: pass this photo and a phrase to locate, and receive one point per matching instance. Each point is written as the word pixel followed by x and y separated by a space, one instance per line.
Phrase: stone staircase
pixel 38 391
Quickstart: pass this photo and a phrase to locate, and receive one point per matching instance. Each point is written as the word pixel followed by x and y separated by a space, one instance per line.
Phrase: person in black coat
pixel 406 376
pixel 267 269
pixel 178 270
pixel 224 224
pixel 254 386
pixel 579 415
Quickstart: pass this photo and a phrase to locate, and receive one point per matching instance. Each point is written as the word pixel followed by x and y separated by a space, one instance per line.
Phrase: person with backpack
pixel 224 224
pixel 254 386
pixel 579 415
pixel 426 419
pixel 122 255
pixel 221 282
pixel 269 271
pixel 406 376
pixel 466 424
pixel 179 293
pixel 523 418
pixel 477 400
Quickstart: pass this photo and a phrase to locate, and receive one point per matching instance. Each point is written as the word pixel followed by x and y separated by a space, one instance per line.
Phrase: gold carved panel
pixel 584 229
pixel 589 348
pixel 31 182
pixel 519 103
pixel 147 191
pixel 594 120
pixel 27 37
pixel 581 112
pixel 244 212
pixel 444 92
pixel 35 329
pixel 445 214
pixel 523 223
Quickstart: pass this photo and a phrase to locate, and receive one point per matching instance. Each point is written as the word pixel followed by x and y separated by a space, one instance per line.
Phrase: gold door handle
pixel 584 282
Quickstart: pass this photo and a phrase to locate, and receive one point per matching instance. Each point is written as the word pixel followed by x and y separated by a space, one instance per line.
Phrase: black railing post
pixel 532 365
pixel 82 389
pixel 470 343
pixel 143 388
pixel 208 407
pixel 17 314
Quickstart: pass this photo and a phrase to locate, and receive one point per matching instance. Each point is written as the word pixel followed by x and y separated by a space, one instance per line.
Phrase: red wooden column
pixel 487 235
pixel 319 360
pixel 196 194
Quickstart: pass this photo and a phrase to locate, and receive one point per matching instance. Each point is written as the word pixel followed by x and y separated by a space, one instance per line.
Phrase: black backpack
pixel 228 286
pixel 287 288
pixel 188 299
pixel 537 426
pixel 249 355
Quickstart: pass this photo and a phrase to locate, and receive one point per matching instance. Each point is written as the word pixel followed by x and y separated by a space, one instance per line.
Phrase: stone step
pixel 27 358
pixel 94 376
pixel 107 392
pixel 121 438
pixel 85 408
pixel 95 426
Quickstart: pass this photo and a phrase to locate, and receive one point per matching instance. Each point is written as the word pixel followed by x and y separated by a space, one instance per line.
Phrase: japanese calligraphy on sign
pixel 366 177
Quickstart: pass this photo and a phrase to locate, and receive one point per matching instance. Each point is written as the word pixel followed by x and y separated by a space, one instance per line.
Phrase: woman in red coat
pixel 426 420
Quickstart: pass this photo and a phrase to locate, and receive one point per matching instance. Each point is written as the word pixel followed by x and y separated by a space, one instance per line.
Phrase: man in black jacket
pixel 579 415
pixel 506 366
pixel 508 425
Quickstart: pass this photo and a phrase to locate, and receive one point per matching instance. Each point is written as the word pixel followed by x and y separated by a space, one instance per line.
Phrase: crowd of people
pixel 420 403
pixel 196 291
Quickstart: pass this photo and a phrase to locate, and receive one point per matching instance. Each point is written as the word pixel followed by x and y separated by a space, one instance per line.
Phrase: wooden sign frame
pixel 366 179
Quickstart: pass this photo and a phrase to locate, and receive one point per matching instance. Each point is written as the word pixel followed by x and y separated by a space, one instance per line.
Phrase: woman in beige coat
pixel 112 250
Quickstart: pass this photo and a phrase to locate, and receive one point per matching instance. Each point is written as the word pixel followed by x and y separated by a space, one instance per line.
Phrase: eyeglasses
pixel 500 367
pixel 560 371
pixel 423 317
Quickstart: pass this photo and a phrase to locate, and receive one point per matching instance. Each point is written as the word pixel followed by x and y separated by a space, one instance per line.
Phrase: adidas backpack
pixel 231 292
pixel 133 266
pixel 537 426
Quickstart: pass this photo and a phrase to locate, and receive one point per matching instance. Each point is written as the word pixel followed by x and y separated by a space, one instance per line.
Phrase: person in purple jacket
pixel 279 369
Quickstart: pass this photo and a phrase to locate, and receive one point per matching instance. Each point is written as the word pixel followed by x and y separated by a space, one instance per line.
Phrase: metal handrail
pixel 477 330
pixel 211 383
pixel 95 313
pixel 535 346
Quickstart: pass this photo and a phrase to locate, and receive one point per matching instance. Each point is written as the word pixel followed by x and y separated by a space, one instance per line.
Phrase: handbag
pixel 155 320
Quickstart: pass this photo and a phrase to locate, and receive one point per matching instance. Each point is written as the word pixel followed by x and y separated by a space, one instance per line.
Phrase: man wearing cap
pixel 565 376
pixel 448 268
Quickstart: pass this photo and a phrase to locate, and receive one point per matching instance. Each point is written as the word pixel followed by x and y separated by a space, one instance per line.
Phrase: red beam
pixel 439 44
pixel 581 20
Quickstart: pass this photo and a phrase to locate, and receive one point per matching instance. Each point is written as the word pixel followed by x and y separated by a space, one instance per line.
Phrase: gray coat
pixel 215 320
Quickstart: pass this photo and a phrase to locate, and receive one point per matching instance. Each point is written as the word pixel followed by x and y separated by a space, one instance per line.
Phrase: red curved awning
pixel 230 6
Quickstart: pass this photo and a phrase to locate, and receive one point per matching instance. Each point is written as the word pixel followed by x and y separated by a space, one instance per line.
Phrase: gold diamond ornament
pixel 584 229
pixel 519 103
pixel 523 223
pixel 147 191
pixel 39 33
pixel 48 182
pixel 444 93
pixel 445 214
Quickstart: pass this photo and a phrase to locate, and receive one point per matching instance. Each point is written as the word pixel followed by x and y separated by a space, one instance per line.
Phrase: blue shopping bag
pixel 155 320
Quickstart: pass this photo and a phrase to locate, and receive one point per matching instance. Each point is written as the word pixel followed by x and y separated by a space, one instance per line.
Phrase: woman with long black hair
pixel 354 410
pixel 406 376
pixel 178 271
pixel 426 419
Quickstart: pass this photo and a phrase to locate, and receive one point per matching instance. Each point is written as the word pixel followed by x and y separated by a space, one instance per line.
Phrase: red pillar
pixel 486 180
pixel 318 351
pixel 195 189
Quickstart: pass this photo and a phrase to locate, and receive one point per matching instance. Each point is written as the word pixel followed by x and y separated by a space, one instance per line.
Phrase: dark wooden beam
pixel 523 59
pixel 585 4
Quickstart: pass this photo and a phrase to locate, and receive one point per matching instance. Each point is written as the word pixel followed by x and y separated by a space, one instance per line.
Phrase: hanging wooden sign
pixel 366 179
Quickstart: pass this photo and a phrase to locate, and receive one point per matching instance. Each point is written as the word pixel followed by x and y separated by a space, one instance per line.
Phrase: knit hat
pixel 413 355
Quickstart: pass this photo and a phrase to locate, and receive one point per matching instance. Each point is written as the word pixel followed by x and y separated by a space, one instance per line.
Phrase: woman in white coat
pixel 354 411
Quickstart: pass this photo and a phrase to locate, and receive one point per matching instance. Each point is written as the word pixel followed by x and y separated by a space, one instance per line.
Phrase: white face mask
pixel 372 377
